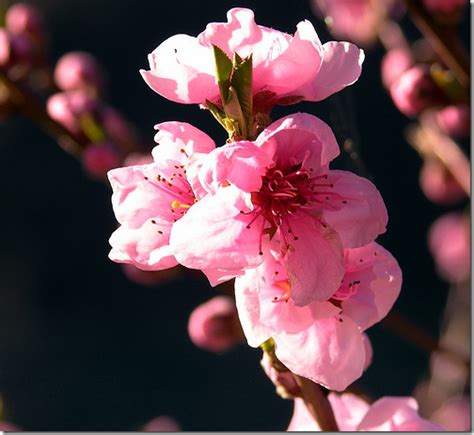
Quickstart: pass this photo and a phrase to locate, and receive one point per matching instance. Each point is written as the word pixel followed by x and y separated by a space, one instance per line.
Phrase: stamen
pixel 177 204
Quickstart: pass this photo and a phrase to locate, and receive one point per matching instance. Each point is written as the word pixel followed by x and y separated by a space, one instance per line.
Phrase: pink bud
pixel 455 120
pixel 284 382
pixel 99 158
pixel 439 185
pixel 454 415
pixel 24 18
pixel 214 325
pixel 415 91
pixel 68 107
pixel 449 238
pixel 5 426
pixel 15 49
pixel 150 278
pixel 394 64
pixel 162 424
pixel 77 70
pixel 444 6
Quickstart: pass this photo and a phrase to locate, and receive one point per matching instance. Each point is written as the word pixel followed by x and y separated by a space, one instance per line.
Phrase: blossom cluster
pixel 265 208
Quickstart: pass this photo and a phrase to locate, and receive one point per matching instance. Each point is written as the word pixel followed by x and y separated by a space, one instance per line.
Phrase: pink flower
pixel 322 341
pixel 182 68
pixel 449 238
pixel 99 158
pixel 388 414
pixel 214 325
pixel 148 199
pixel 278 195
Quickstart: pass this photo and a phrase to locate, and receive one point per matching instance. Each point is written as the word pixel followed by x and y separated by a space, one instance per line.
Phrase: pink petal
pixel 214 234
pixel 302 420
pixel 341 67
pixel 395 414
pixel 297 138
pixel 380 280
pixel 314 262
pixel 330 352
pixel 182 70
pixel 144 247
pixel 182 139
pixel 135 198
pixel 239 163
pixel 358 212
pixel 290 66
pixel 248 306
pixel 348 409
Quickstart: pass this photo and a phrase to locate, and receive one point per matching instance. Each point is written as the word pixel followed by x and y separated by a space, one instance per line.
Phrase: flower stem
pixel 318 404
pixel 442 41
pixel 26 104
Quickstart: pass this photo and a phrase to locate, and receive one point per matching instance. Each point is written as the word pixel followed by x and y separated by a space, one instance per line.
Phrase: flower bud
pixel 100 158
pixel 454 415
pixel 162 423
pixel 284 382
pixel 415 91
pixel 67 108
pixel 15 50
pixel 394 64
pixel 6 426
pixel 22 18
pixel 455 120
pixel 79 70
pixel 214 325
pixel 438 184
pixel 444 6
pixel 449 238
pixel 150 278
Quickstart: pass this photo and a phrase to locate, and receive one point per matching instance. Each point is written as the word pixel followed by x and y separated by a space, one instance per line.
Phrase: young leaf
pixel 223 71
pixel 233 110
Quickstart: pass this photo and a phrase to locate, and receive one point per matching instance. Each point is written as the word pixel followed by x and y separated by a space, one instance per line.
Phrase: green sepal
pixel 242 82
pixel 92 129
pixel 223 71
pixel 268 346
pixel 216 112
pixel 233 110
pixel 447 81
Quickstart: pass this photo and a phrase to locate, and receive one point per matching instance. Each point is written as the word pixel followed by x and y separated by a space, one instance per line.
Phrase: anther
pixel 177 204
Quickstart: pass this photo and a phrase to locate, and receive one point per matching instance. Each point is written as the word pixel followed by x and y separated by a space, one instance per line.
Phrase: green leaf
pixel 242 82
pixel 223 71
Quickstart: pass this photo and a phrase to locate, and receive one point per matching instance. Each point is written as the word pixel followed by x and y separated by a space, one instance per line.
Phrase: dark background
pixel 82 347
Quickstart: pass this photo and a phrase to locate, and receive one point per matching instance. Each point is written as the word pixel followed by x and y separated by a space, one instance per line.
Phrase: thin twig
pixel 318 404
pixel 27 104
pixel 429 141
pixel 442 41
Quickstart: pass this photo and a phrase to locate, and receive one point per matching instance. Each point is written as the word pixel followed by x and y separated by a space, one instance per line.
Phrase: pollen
pixel 177 204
